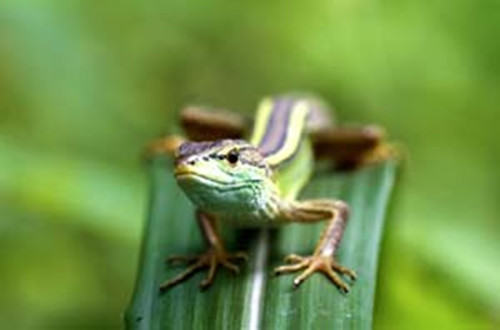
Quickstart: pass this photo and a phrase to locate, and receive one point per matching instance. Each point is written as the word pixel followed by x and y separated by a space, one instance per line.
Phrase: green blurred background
pixel 84 85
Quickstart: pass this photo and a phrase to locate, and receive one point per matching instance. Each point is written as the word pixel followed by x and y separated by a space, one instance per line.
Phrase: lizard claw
pixel 211 259
pixel 316 263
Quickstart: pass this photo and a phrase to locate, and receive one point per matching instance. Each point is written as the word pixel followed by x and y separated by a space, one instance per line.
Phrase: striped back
pixel 279 130
pixel 281 122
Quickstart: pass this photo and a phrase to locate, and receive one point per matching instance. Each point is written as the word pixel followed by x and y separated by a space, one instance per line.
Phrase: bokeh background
pixel 84 85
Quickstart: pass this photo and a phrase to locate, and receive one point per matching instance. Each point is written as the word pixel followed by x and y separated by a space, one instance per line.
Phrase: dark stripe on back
pixel 276 129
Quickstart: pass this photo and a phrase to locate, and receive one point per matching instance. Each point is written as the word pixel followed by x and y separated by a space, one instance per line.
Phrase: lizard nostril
pixel 191 162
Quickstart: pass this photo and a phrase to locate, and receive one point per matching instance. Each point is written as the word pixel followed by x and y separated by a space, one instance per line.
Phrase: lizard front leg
pixel 215 256
pixel 322 260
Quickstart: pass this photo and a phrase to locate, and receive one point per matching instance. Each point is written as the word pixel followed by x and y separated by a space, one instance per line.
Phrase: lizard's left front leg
pixel 322 260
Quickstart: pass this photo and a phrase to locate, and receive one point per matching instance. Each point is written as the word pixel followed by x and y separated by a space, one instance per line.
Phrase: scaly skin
pixel 255 184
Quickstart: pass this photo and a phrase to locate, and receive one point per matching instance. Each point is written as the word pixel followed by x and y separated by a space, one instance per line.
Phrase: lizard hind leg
pixel 200 124
pixel 166 145
pixel 355 146
pixel 322 260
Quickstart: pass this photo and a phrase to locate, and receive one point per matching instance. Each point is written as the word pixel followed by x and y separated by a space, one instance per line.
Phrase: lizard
pixel 256 182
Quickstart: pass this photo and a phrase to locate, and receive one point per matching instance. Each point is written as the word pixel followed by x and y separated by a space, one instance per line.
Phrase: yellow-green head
pixel 224 176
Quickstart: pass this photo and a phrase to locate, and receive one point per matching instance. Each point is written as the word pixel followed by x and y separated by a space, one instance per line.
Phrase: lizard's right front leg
pixel 215 255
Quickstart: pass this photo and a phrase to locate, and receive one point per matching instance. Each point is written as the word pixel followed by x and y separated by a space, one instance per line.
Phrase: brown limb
pixel 349 146
pixel 202 124
pixel 322 259
pixel 166 145
pixel 214 257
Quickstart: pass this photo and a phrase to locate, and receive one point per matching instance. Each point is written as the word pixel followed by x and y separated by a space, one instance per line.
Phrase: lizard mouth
pixel 183 175
pixel 190 175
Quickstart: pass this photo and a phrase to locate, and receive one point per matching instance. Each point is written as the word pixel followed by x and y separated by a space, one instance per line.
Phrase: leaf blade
pixel 227 303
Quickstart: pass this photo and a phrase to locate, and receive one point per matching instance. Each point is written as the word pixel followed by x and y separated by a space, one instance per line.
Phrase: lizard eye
pixel 233 156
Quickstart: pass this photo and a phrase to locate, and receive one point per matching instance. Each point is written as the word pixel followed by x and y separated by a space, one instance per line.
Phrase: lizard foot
pixel 165 145
pixel 316 263
pixel 210 259
pixel 384 152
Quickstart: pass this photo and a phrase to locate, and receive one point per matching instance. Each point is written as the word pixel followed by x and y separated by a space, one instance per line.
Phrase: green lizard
pixel 256 183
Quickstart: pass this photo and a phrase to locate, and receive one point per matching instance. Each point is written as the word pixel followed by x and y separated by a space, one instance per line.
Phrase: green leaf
pixel 255 298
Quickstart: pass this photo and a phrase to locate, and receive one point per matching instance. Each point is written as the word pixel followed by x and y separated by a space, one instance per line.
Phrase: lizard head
pixel 222 176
